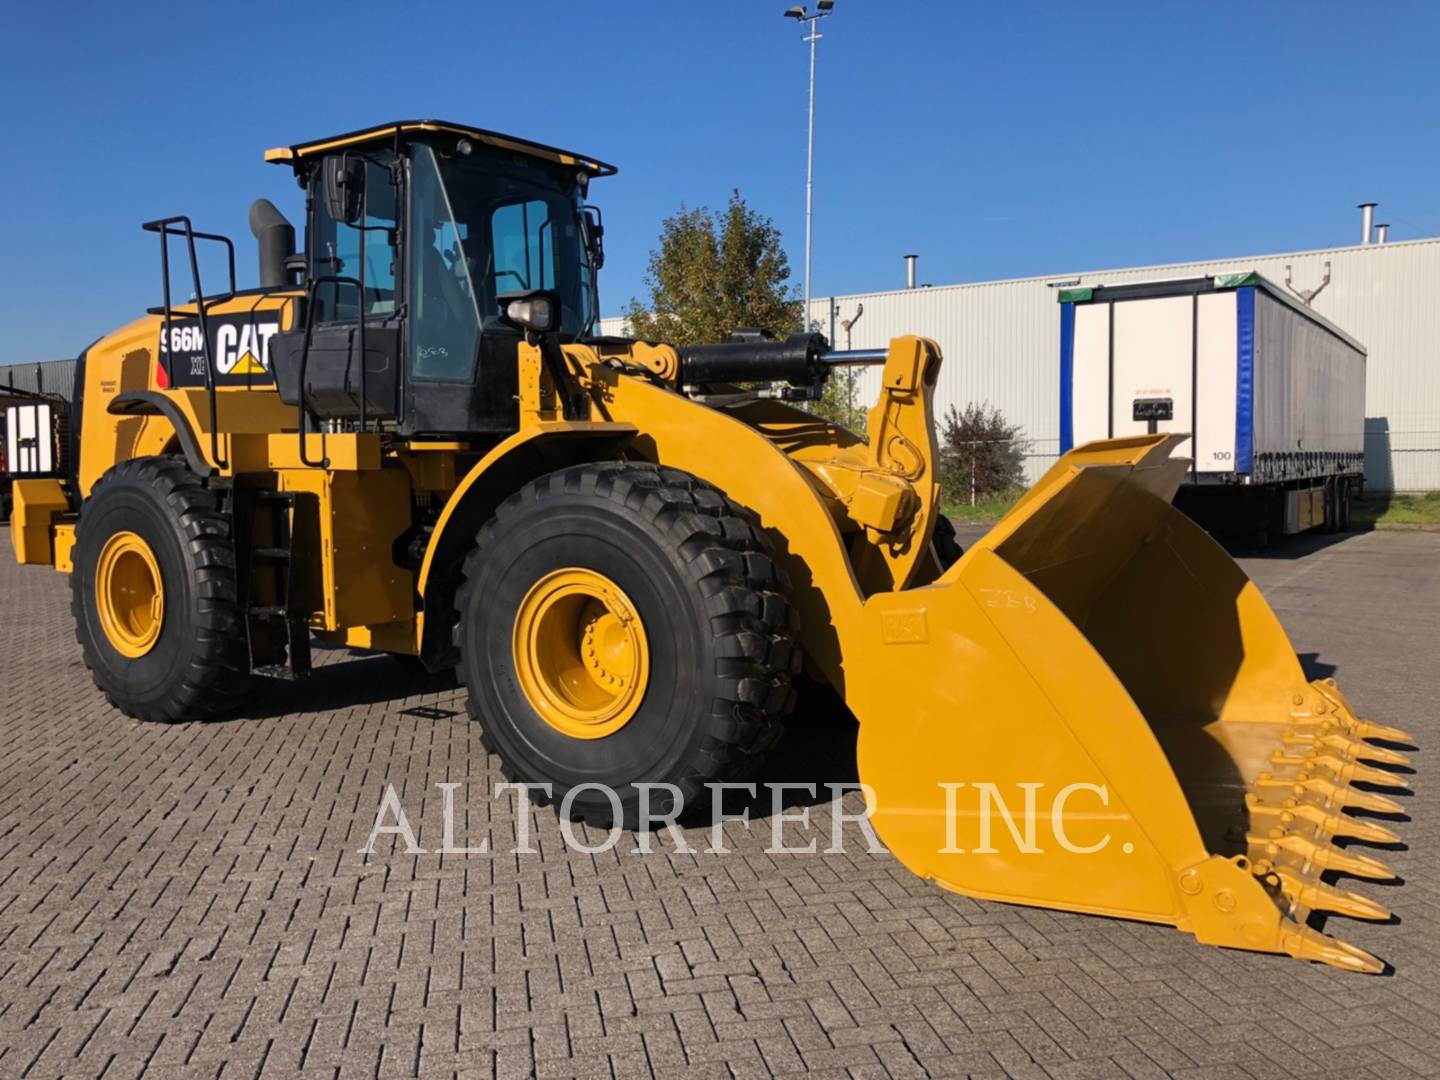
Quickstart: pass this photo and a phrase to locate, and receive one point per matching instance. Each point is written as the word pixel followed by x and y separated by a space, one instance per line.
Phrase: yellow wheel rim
pixel 129 594
pixel 580 653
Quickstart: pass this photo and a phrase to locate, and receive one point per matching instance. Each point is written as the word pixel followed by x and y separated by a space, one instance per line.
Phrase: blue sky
pixel 994 140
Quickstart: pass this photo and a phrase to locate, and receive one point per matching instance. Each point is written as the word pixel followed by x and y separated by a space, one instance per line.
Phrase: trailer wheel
pixel 1331 522
pixel 153 594
pixel 623 624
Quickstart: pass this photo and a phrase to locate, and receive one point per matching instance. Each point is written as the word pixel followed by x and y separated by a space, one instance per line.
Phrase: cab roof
pixel 292 155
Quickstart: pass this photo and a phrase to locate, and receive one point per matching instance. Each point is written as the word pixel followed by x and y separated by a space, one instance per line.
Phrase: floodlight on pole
pixel 802 14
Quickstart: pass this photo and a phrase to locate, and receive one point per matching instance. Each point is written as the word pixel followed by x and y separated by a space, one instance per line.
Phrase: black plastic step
pixel 271 554
pixel 272 611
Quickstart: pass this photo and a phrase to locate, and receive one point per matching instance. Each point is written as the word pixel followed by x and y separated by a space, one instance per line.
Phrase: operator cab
pixel 415 233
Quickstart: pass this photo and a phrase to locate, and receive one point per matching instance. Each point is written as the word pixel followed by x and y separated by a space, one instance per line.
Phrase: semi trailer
pixel 1269 395
pixel 32 439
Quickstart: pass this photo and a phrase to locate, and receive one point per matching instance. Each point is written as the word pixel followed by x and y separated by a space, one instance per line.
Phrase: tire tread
pixel 750 616
pixel 218 675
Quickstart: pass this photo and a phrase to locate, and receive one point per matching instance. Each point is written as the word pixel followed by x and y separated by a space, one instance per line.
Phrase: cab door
pixel 462 364
pixel 364 250
pixel 355 285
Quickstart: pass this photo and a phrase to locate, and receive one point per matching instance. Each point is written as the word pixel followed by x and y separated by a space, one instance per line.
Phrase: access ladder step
pixel 278 625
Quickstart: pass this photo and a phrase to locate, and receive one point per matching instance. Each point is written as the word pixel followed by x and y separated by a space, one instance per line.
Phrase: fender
pixel 154 403
pixel 749 468
pixel 529 453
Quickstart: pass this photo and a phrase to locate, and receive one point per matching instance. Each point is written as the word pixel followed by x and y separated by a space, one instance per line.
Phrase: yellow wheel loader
pixel 409 439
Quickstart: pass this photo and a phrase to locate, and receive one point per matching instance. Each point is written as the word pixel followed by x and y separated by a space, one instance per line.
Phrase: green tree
pixel 840 402
pixel 714 273
pixel 981 453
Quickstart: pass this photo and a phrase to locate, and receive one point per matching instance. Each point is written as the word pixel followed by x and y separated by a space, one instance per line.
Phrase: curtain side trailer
pixel 1271 394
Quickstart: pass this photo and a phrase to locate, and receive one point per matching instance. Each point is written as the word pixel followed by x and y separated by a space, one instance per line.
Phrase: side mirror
pixel 593 230
pixel 344 183
pixel 536 311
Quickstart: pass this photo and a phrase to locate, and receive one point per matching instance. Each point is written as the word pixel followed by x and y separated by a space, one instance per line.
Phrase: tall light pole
pixel 802 15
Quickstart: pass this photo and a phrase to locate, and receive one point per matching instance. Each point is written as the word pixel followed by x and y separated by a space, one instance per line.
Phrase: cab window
pixel 445 323
pixel 338 249
pixel 537 245
pixel 523 239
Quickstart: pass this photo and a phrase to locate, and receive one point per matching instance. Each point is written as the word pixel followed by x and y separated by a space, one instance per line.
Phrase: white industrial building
pixel 1001 341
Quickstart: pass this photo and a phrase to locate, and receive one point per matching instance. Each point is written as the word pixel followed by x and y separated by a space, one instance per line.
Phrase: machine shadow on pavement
pixel 817 749
pixel 363 678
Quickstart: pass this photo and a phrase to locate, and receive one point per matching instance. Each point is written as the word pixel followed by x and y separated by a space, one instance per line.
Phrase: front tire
pixel 624 624
pixel 154 595
pixel 947 547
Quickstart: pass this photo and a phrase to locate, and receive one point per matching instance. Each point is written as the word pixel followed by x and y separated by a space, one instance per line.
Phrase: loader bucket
pixel 1096 710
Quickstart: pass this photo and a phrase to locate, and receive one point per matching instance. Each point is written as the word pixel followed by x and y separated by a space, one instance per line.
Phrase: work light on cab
pixel 532 310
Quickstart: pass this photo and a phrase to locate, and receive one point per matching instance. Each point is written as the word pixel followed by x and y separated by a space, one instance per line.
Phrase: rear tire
pixel 717 635
pixel 194 664
pixel 947 548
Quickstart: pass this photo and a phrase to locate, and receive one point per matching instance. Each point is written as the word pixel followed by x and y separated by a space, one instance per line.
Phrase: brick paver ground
pixel 191 900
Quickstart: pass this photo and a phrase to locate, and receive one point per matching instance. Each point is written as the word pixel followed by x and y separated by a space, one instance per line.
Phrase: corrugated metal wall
pixel 46 376
pixel 1002 341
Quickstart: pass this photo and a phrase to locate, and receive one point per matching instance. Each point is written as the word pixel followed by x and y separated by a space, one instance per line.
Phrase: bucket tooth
pixel 1354 828
pixel 1343 770
pixel 1313 894
pixel 1327 790
pixel 1379 777
pixel 1369 800
pixel 1368 730
pixel 1353 748
pixel 1334 858
pixel 1383 755
pixel 1365 729
pixel 1303 943
pixel 1320 855
pixel 1265 817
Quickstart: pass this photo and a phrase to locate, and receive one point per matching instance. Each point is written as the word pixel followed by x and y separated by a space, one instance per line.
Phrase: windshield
pixel 486 225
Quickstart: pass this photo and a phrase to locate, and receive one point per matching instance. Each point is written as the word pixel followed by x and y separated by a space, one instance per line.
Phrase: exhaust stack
pixel 910 271
pixel 275 237
pixel 1382 233
pixel 1367 219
